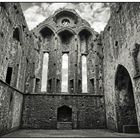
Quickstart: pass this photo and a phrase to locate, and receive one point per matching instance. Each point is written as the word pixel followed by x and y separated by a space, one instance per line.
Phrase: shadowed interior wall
pixel 15 41
pixel 40 111
pixel 66 34
pixel 125 106
pixel 10 108
pixel 120 40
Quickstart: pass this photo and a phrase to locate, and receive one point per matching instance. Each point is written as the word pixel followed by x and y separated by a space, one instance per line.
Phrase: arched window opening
pixel 84 74
pixel 65 22
pixel 16 34
pixel 58 85
pixel 50 85
pixel 46 32
pixel 64 114
pixel 71 86
pixel 9 75
pixel 84 38
pixel 64 86
pixel 37 83
pixel 125 107
pixel 65 37
pixel 79 86
pixel 92 85
pixel 45 72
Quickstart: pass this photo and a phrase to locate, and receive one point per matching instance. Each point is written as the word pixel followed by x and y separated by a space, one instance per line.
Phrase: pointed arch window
pixel 64 86
pixel 45 72
pixel 84 74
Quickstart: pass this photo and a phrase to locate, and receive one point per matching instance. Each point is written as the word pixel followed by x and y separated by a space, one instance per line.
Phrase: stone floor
pixel 28 133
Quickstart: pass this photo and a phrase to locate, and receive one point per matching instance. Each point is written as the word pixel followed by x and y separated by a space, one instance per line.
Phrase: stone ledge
pixel 59 94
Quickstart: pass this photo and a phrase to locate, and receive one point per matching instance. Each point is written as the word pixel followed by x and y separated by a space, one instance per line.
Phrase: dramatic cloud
pixel 97 14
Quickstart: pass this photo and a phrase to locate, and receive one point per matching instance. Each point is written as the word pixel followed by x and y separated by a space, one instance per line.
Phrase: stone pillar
pixel 96 72
pixel 55 53
pixel 79 67
pixel 76 66
pixel 19 68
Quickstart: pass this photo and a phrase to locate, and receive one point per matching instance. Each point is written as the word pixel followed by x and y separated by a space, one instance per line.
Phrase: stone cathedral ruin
pixel 64 75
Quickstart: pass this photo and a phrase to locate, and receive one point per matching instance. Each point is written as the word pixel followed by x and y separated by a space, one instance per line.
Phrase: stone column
pixel 55 60
pixel 76 66
pixel 55 53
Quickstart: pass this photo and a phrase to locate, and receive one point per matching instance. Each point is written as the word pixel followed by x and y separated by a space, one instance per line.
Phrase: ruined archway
pixel 64 114
pixel 46 32
pixel 125 104
pixel 84 37
pixel 66 36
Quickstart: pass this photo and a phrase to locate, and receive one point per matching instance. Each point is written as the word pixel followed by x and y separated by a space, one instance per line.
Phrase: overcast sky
pixel 97 14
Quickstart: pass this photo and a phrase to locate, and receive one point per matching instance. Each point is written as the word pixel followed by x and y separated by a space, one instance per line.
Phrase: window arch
pixel 46 32
pixel 125 102
pixel 64 114
pixel 16 34
pixel 85 30
pixel 84 36
pixel 65 13
pixel 65 22
pixel 65 36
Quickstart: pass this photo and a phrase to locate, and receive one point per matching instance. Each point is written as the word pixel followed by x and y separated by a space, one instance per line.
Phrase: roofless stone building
pixel 64 75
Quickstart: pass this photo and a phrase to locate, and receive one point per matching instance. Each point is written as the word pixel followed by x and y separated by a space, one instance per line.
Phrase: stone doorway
pixel 125 104
pixel 64 117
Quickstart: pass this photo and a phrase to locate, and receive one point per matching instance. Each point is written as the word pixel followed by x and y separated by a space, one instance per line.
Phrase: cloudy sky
pixel 97 14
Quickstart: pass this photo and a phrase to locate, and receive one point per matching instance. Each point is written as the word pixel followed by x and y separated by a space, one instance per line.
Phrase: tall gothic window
pixel 64 86
pixel 84 74
pixel 45 72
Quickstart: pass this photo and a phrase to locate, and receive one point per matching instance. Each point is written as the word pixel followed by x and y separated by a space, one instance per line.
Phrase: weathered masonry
pixel 15 41
pixel 67 87
pixel 64 75
pixel 120 41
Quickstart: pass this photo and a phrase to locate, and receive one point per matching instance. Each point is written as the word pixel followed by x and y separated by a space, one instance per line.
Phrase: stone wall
pixel 52 43
pixel 10 108
pixel 40 108
pixel 15 44
pixel 120 41
pixel 40 111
